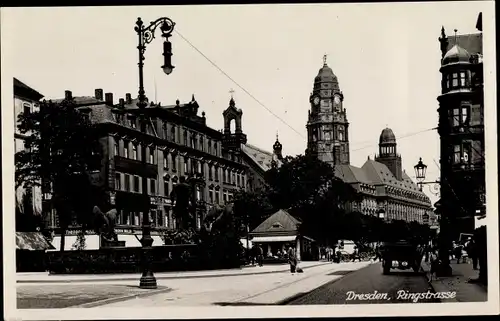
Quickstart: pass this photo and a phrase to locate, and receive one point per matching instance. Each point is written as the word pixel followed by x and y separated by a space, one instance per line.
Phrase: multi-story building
pixel 381 183
pixel 461 129
pixel 26 100
pixel 178 143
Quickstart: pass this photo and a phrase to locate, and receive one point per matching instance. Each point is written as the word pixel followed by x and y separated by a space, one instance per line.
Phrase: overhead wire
pixel 264 106
pixel 237 84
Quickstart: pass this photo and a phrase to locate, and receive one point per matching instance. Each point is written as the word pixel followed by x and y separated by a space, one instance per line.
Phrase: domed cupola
pixel 456 55
pixel 387 137
pixel 326 75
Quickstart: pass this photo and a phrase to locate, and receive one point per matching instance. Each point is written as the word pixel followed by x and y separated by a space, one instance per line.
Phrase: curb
pixel 158 277
pixel 120 299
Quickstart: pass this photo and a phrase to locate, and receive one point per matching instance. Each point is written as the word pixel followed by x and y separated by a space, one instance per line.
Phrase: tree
pixel 251 209
pixel 309 189
pixel 62 150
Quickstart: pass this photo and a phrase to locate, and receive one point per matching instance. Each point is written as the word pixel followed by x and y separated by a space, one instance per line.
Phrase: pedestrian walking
pixel 292 259
pixel 260 255
pixel 471 248
pixel 458 252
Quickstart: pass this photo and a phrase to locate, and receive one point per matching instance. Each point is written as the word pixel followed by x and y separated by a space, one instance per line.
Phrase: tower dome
pixel 387 136
pixel 456 54
pixel 326 75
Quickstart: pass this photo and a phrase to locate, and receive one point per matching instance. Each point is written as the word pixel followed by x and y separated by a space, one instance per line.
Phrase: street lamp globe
pixel 167 57
pixel 381 213
pixel 420 170
pixel 167 69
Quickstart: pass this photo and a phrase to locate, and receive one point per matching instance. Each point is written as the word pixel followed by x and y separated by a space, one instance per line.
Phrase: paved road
pixel 369 280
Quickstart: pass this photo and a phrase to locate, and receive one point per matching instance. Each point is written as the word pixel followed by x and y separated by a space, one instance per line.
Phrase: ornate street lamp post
pixel 146 35
pixel 420 171
pixel 444 241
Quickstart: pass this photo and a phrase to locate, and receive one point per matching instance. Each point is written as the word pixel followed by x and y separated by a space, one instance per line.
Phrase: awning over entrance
pixel 266 239
pixel 308 238
pixel 32 241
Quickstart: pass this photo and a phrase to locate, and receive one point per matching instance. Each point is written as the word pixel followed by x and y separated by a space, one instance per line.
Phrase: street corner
pixel 78 296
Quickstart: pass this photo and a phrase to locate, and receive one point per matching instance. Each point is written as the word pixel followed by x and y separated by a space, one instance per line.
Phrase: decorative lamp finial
pixel 277 138
pixel 324 60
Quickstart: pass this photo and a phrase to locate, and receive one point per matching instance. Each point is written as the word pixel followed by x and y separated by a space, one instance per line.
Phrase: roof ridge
pixel 259 149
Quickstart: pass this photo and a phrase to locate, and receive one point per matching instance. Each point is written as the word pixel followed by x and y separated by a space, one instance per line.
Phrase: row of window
pixel 194 166
pixel 173 133
pixel 131 150
pixel 386 150
pixel 132 183
pixel 462 79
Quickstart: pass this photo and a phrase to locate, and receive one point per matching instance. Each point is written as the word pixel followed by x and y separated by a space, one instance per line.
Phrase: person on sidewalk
pixel 292 259
pixel 471 249
pixel 260 255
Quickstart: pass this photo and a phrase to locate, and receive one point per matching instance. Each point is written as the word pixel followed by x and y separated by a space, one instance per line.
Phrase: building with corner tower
pixel 381 183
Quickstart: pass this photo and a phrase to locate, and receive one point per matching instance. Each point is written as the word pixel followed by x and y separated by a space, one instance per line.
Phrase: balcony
pixel 135 167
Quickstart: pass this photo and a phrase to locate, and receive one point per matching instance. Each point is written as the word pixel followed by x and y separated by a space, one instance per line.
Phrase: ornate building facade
pixel 461 129
pixel 178 142
pixel 381 183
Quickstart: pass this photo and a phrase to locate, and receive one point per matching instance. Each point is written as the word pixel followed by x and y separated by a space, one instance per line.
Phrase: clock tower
pixel 327 125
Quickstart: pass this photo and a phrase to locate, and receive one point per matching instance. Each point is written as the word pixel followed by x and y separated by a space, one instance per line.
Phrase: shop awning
pixel 92 241
pixel 266 239
pixel 32 241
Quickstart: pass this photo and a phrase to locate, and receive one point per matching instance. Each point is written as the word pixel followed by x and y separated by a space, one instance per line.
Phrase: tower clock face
pixel 316 100
pixel 336 100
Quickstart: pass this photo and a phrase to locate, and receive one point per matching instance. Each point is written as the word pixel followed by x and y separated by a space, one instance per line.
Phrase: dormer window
pixel 277 225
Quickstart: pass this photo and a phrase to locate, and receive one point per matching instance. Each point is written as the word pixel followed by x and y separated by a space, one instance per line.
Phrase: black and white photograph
pixel 251 160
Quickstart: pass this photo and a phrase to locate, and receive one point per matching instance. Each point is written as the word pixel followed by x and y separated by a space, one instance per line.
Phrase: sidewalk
pixel 44 277
pixel 266 289
pixel 458 282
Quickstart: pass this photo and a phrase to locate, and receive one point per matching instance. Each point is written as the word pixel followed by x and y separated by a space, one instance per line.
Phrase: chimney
pixel 68 95
pixel 99 94
pixel 122 102
pixel 128 98
pixel 109 99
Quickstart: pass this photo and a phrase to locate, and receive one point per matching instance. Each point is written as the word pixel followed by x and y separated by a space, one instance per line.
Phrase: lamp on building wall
pixel 420 171
pixel 146 35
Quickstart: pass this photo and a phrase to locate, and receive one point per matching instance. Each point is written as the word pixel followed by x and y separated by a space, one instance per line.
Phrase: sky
pixel 386 58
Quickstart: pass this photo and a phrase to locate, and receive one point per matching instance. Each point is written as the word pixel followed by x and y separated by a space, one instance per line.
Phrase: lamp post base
pixel 148 281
